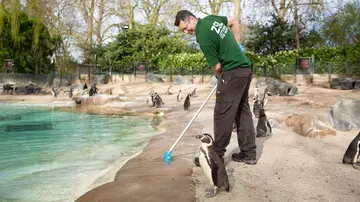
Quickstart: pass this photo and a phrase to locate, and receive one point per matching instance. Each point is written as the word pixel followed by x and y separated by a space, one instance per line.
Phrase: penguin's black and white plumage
pixel 151 98
pixel 157 100
pixel 168 91
pixel 257 107
pixel 187 103
pixel 53 92
pixel 93 90
pixel 193 93
pixel 179 96
pixel 70 93
pixel 256 92
pixel 263 127
pixel 212 165
pixel 352 154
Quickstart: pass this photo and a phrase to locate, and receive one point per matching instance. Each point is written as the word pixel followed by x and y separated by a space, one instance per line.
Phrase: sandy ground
pixel 290 167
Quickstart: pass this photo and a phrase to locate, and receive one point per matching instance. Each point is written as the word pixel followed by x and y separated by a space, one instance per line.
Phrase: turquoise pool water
pixel 52 155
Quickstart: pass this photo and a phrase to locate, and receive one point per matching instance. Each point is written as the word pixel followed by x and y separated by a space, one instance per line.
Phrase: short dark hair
pixel 182 16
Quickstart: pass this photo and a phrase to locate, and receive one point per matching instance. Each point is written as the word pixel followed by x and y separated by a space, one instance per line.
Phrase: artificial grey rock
pixel 153 78
pixel 280 88
pixel 344 115
pixel 344 83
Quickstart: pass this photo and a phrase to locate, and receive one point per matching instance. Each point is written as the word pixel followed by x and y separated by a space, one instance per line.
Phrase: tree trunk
pixel 89 34
pixel 100 23
pixel 297 26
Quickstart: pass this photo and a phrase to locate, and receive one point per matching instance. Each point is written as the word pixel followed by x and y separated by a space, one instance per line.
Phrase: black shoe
pixel 196 161
pixel 242 158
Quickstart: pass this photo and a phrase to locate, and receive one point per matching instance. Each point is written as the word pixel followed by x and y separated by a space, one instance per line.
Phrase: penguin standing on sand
pixel 263 127
pixel 352 154
pixel 53 92
pixel 158 100
pixel 151 94
pixel 212 165
pixel 257 107
pixel 179 96
pixel 193 93
pixel 168 91
pixel 70 92
pixel 187 102
pixel 256 92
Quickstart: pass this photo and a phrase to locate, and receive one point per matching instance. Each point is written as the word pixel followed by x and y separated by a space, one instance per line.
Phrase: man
pixel 219 39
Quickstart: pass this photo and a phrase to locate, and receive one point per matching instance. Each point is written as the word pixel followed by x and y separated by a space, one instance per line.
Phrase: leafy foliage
pixel 343 27
pixel 28 58
pixel 143 43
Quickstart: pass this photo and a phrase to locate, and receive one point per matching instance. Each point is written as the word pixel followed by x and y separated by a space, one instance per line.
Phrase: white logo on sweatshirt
pixel 220 29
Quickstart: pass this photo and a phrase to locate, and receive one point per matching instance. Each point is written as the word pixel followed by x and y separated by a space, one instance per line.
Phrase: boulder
pixel 344 115
pixel 344 83
pixel 280 88
pixel 98 99
pixel 182 80
pixel 357 84
pixel 81 86
pixel 307 125
pixel 151 77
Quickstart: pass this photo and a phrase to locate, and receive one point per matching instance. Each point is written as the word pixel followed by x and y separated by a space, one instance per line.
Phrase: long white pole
pixel 192 120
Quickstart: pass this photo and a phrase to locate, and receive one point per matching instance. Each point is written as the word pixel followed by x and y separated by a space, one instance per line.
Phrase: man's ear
pixel 232 21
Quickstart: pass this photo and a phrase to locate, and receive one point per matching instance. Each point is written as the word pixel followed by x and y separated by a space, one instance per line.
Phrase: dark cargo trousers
pixel 232 105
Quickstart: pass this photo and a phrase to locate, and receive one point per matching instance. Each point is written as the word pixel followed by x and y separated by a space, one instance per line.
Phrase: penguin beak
pixel 198 136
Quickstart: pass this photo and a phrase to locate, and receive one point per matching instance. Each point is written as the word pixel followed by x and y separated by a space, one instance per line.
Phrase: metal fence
pixel 342 68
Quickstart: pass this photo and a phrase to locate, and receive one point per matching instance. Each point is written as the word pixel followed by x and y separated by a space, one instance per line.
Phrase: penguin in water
pixel 70 92
pixel 187 103
pixel 53 92
pixel 212 165
pixel 179 96
pixel 352 154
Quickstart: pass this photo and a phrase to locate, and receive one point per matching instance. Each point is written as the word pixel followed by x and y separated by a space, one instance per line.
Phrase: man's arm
pixel 217 69
pixel 234 26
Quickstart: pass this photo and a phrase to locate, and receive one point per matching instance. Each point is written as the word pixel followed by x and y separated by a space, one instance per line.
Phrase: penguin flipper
pixel 214 171
pixel 269 127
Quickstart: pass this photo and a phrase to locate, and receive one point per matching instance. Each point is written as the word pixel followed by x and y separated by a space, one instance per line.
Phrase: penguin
pixel 70 92
pixel 187 103
pixel 212 165
pixel 193 93
pixel 257 107
pixel 256 92
pixel 158 100
pixel 93 90
pixel 265 98
pixel 263 127
pixel 168 91
pixel 150 97
pixel 179 96
pixel 53 92
pixel 352 154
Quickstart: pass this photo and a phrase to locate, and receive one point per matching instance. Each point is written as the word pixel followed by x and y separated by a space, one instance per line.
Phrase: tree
pixel 343 27
pixel 144 43
pixel 28 57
